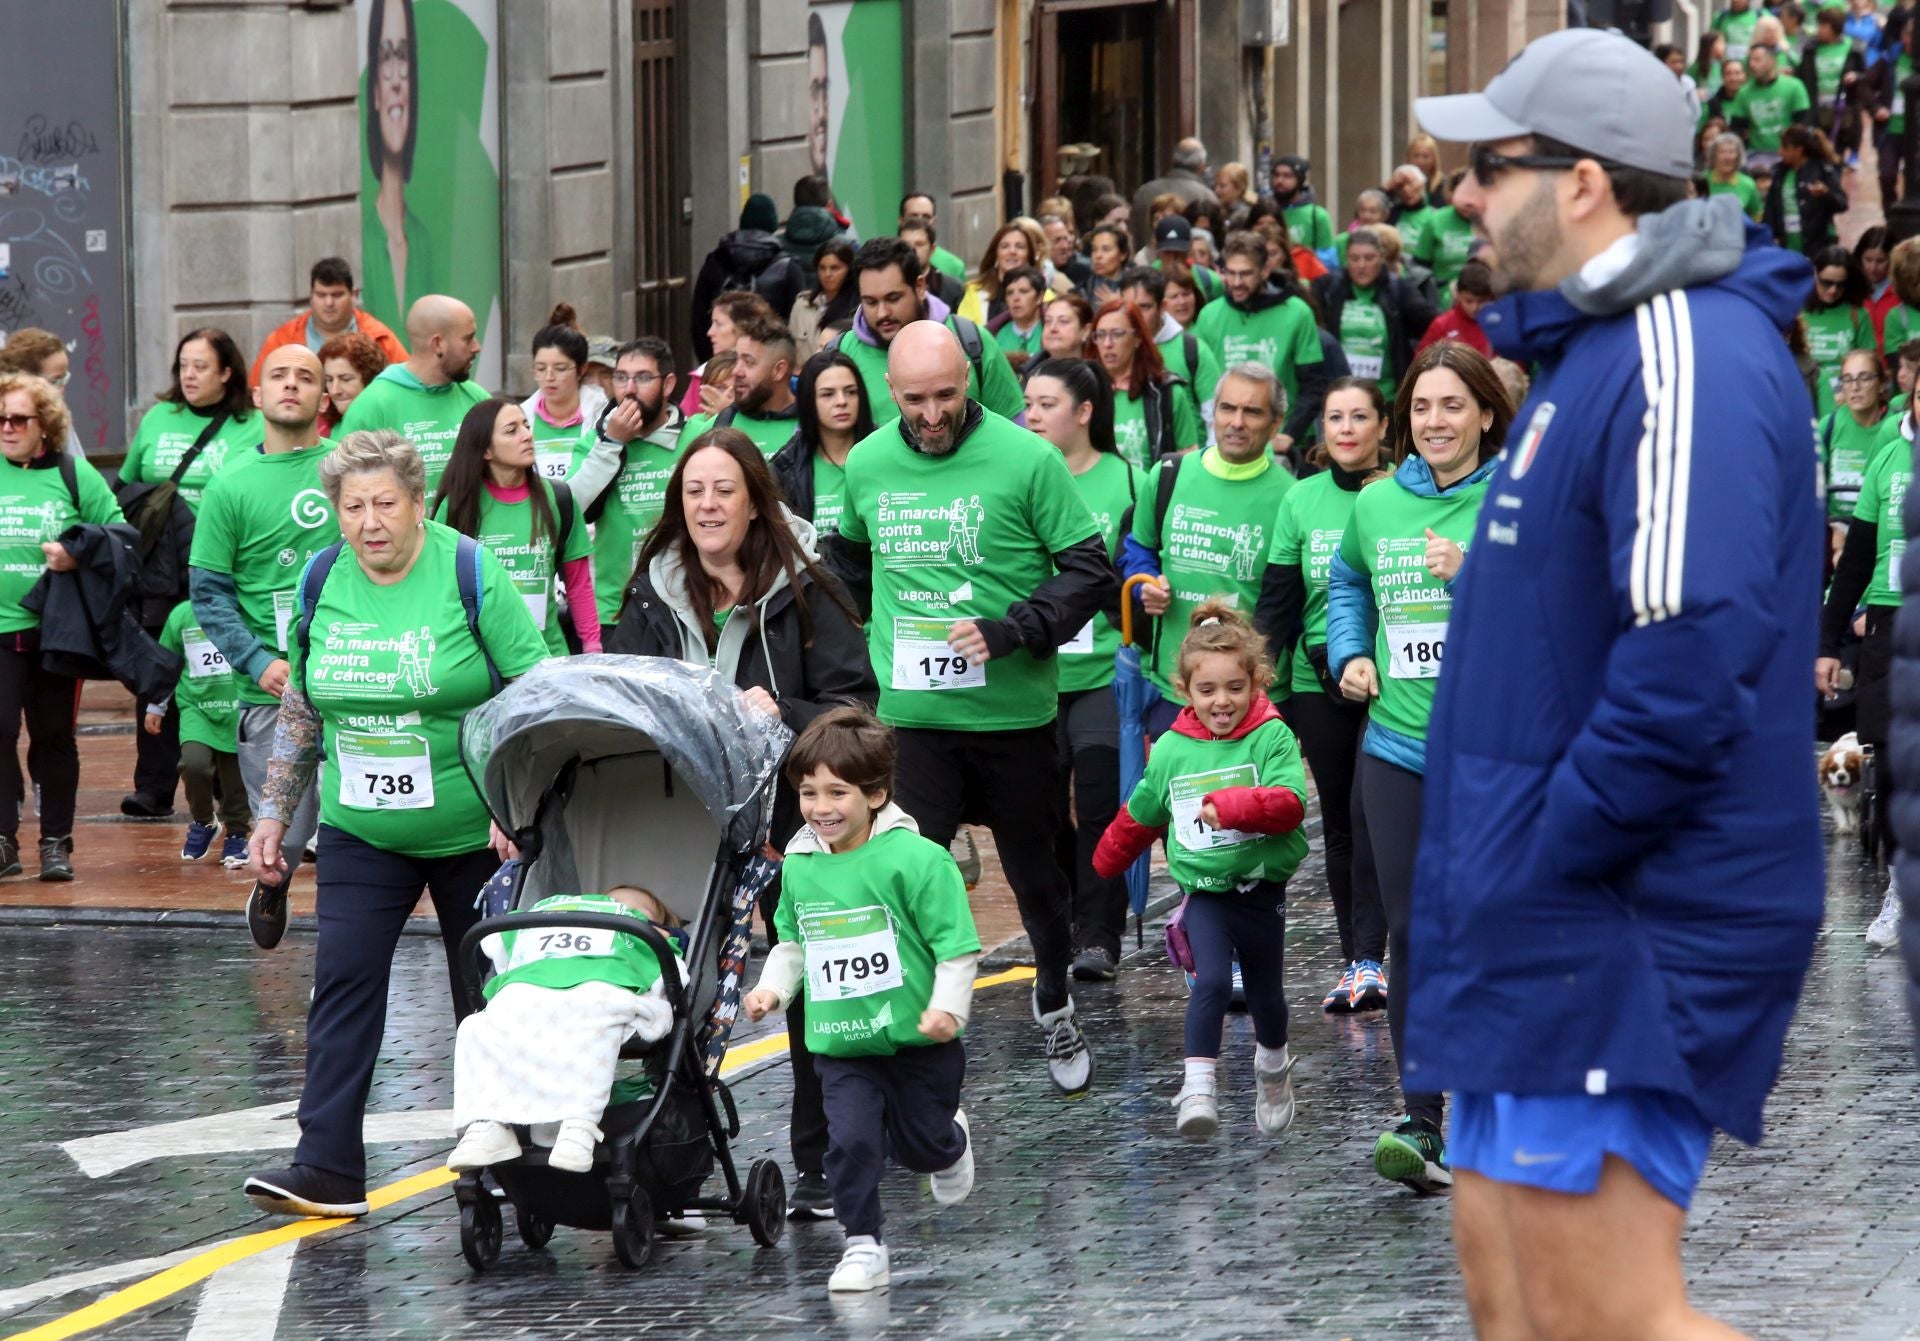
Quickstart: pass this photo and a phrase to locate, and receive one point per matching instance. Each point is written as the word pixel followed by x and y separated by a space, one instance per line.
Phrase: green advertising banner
pixel 430 161
pixel 858 132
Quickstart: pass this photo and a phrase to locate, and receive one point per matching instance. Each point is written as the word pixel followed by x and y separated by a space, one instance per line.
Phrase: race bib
pixel 1366 365
pixel 1416 638
pixel 537 607
pixel 530 947
pixel 1736 51
pixel 552 465
pixel 1899 104
pixel 1793 222
pixel 286 605
pixel 850 954
pixel 1894 551
pixel 922 659
pixel 1187 794
pixel 204 660
pixel 383 772
pixel 1081 644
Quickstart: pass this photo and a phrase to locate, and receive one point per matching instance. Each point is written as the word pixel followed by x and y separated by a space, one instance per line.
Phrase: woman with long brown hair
pixel 1154 414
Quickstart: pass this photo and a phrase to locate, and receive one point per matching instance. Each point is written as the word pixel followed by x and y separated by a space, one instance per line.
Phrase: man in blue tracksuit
pixel 1620 875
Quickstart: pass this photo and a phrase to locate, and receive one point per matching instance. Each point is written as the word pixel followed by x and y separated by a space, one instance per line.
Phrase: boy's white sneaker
pixel 573 1148
pixel 1197 1114
pixel 1884 931
pixel 1273 1103
pixel 482 1143
pixel 951 1184
pixel 862 1267
pixel 1069 1059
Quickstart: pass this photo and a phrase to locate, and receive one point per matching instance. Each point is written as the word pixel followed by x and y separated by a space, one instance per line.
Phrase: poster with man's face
pixel 856 132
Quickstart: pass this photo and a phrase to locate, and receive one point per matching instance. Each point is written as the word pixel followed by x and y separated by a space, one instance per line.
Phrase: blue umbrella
pixel 1133 695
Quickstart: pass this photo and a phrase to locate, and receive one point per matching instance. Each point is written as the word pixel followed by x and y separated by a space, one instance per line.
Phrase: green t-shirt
pixel 1902 71
pixel 1446 244
pixel 948 264
pixel 829 495
pixel 559 957
pixel 1769 109
pixel 1738 30
pixel 36 507
pixel 427 416
pixel 1109 488
pixel 1282 335
pixel 558 449
pixel 1219 525
pixel 769 434
pixel 1205 379
pixel 1741 186
pixel 1847 448
pixel 872 923
pixel 168 431
pixel 1001 394
pixel 507 530
pixel 1832 334
pixel 635 501
pixel 1412 227
pixel 961 536
pixel 1309 226
pixel 208 694
pixel 1829 63
pixel 260 522
pixel 1387 541
pixel 1182 772
pixel 1363 335
pixel 1313 517
pixel 1902 324
pixel 1012 342
pixel 1883 494
pixel 1790 217
pixel 1130 425
pixel 391 671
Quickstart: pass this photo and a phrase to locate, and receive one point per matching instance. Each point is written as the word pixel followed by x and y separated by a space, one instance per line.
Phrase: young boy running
pixel 874 920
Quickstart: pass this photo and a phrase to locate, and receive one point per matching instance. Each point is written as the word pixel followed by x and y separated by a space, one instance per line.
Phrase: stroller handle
pixel 1126 605
pixel 626 926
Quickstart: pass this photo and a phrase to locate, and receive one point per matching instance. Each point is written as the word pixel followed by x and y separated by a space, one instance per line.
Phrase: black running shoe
pixel 9 857
pixel 304 1190
pixel 267 914
pixel 138 805
pixel 1095 964
pixel 811 1198
pixel 56 860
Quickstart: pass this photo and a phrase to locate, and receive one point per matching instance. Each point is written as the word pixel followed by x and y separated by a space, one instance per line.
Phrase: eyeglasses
pixel 1858 379
pixel 1826 283
pixel 634 379
pixel 1487 165
pixel 17 423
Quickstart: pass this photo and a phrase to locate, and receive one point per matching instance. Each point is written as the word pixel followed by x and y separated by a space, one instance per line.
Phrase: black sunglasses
pixel 1487 165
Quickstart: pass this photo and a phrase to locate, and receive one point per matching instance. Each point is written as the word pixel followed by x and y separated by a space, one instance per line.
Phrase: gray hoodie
pixel 1694 242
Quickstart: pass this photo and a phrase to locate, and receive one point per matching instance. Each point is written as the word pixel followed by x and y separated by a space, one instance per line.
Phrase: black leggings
pixel 1249 926
pixel 1389 821
pixel 1329 732
pixel 1873 719
pixel 1085 802
pixel 48 702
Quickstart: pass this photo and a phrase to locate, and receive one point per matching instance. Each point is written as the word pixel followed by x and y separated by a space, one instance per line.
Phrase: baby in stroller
pixel 545 1049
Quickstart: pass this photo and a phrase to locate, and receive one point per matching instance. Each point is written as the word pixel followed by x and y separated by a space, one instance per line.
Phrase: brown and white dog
pixel 1841 777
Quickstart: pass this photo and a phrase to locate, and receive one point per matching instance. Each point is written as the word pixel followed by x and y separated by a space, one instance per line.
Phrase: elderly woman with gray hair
pixel 400 629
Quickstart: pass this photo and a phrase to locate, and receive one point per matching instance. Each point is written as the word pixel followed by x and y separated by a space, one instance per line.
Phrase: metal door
pixel 663 288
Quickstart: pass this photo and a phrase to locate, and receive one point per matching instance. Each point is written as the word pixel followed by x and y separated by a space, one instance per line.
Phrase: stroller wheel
pixel 480 1231
pixel 534 1232
pixel 633 1227
pixel 763 1202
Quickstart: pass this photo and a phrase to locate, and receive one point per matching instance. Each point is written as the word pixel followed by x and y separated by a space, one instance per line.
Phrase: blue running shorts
pixel 1558 1142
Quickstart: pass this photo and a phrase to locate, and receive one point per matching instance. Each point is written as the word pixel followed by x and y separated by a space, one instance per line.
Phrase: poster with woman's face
pixel 430 161
pixel 856 131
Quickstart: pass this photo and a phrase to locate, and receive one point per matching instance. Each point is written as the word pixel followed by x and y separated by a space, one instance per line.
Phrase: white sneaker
pixel 1069 1060
pixel 951 1184
pixel 1198 1114
pixel 1885 929
pixel 483 1143
pixel 573 1148
pixel 1273 1105
pixel 863 1267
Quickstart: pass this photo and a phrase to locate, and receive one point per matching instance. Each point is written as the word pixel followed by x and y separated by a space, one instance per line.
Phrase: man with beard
pixel 425 398
pixel 1620 875
pixel 965 537
pixel 893 295
pixel 763 405
pixel 263 516
pixel 1255 322
pixel 625 475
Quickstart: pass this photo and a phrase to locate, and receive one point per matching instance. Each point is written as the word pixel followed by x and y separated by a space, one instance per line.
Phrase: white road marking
pixel 267 1127
pixel 25 1296
pixel 242 1302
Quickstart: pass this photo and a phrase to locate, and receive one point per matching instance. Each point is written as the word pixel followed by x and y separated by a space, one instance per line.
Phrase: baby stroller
pixel 608 769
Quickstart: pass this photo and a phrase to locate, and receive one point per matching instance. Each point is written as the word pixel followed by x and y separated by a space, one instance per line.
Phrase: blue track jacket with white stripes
pixel 1620 873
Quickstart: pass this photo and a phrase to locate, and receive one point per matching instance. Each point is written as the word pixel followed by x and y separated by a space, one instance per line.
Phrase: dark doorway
pixel 1107 97
pixel 663 300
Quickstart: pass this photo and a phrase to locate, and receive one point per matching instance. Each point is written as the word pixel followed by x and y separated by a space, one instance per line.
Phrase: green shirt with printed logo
pixel 1768 109
pixel 1203 380
pixel 1130 424
pixel 1829 63
pixel 1883 494
pixel 1412 227
pixel 769 434
pixel 1387 541
pixel 506 529
pixel 391 671
pixel 1282 335
pixel 1110 487
pixel 167 433
pixel 1847 448
pixel 558 449
pixel 635 500
pixel 829 495
pixel 961 536
pixel 1363 335
pixel 36 507
pixel 427 416
pixel 1738 30
pixel 208 694
pixel 1309 226
pixel 1313 516
pixel 872 923
pixel 1001 392
pixel 560 957
pixel 1219 526
pixel 1183 771
pixel 1446 245
pixel 1832 334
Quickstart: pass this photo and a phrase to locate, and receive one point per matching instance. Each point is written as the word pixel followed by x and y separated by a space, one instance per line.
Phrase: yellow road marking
pixel 183 1275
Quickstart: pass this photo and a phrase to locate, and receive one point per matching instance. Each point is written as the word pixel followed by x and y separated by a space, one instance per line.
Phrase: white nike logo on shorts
pixel 1526 1160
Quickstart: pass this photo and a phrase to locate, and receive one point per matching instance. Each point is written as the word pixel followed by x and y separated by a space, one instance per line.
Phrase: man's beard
pixel 1526 246
pixel 648 411
pixel 461 374
pixel 950 422
pixel 755 399
pixel 296 421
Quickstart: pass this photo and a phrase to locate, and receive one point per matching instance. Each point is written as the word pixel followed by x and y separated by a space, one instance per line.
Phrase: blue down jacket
pixel 1621 874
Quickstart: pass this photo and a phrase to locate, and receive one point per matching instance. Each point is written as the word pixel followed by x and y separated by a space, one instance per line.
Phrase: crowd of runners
pixel 1443 553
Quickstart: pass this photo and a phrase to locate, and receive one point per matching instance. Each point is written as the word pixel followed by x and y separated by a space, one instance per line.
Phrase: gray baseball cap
pixel 1594 90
